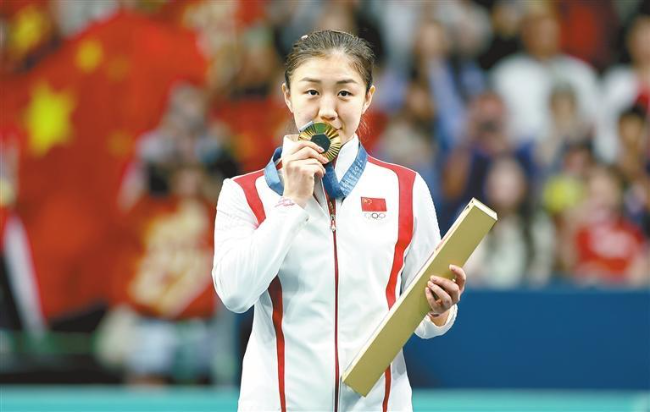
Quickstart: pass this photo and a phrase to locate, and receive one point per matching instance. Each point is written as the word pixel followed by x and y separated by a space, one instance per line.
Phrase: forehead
pixel 333 67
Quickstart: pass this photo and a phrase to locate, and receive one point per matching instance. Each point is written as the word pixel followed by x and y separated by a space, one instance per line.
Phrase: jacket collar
pixel 346 156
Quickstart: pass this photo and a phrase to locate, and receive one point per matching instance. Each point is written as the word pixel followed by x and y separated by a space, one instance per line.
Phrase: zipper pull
pixel 332 216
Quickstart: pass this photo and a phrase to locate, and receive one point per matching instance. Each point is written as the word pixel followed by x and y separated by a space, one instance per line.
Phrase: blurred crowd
pixel 121 118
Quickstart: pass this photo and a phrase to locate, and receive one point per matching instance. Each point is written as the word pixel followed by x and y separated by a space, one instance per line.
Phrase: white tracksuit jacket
pixel 321 285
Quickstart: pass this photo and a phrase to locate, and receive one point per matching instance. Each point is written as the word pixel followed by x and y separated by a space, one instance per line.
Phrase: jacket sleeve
pixel 248 256
pixel 426 236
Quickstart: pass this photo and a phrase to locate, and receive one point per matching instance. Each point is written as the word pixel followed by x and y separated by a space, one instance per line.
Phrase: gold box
pixel 396 328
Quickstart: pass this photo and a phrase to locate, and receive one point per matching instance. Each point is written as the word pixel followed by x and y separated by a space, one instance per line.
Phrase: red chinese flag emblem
pixel 372 204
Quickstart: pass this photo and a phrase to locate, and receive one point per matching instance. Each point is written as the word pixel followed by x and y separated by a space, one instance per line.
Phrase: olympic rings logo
pixel 375 215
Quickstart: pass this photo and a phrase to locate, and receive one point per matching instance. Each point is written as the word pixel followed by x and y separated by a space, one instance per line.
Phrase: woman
pixel 323 267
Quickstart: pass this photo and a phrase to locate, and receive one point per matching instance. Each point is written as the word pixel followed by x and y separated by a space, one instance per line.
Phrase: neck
pixel 344 141
pixel 543 56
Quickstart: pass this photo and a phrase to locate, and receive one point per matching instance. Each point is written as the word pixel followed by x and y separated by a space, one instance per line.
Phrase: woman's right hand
pixel 300 166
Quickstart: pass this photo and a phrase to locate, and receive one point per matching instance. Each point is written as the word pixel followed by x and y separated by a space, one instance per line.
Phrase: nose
pixel 327 110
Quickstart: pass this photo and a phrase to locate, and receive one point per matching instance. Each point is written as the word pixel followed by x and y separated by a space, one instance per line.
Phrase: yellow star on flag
pixel 47 118
pixel 27 29
pixel 89 55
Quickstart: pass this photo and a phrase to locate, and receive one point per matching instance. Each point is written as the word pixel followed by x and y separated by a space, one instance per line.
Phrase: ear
pixel 287 96
pixel 368 100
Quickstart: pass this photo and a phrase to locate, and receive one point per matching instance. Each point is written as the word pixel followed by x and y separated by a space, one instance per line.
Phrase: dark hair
pixel 323 43
pixel 636 110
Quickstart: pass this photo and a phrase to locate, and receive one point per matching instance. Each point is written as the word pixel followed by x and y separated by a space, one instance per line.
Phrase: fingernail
pixel 430 284
pixel 320 149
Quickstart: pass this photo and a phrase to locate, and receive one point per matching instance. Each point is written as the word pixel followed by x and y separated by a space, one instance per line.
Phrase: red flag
pixel 81 110
pixel 371 204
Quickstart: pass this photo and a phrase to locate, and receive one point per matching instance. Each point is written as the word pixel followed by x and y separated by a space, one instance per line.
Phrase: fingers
pixel 433 303
pixel 310 167
pixel 461 277
pixel 315 170
pixel 454 289
pixel 448 286
pixel 302 144
pixel 300 165
pixel 444 301
pixel 306 161
pixel 306 153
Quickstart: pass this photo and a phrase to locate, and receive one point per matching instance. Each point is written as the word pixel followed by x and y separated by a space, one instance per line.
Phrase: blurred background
pixel 120 119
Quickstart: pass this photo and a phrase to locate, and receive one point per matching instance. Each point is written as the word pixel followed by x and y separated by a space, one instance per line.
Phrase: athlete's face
pixel 328 89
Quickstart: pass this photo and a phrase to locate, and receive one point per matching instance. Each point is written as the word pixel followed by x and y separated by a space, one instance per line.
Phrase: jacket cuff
pixel 427 329
pixel 290 213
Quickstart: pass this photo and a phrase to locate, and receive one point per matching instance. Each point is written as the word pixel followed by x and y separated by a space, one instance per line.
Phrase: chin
pixel 345 138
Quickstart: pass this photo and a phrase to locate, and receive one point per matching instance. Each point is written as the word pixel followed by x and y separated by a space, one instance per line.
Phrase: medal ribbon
pixel 333 187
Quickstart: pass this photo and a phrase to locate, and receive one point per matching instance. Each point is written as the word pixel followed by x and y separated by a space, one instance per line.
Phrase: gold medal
pixel 324 135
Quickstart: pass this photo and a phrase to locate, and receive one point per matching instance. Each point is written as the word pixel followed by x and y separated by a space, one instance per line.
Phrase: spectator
pixel 251 110
pixel 467 23
pixel 183 135
pixel 565 128
pixel 506 16
pixel 564 190
pixel 601 246
pixel 486 138
pixel 588 30
pixel 519 250
pixel 443 59
pixel 453 81
pixel 410 137
pixel 623 86
pixel 526 80
pixel 633 164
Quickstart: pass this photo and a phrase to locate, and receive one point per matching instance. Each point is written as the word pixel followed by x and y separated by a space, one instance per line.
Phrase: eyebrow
pixel 344 81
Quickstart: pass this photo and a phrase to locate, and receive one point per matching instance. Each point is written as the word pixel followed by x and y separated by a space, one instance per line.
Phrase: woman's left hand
pixel 448 292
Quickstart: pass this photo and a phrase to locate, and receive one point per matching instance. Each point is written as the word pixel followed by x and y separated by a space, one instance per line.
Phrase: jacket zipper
pixel 332 209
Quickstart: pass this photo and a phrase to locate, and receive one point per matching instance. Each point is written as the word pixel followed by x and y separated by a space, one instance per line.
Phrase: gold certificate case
pixel 391 335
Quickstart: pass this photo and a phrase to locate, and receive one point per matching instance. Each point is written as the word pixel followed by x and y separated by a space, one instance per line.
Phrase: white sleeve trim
pixel 427 329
